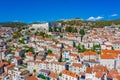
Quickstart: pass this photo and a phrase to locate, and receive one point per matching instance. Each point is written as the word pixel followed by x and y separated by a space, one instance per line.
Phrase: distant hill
pixel 91 23
pixel 12 24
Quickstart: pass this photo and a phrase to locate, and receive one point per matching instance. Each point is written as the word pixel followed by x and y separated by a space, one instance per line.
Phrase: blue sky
pixel 51 10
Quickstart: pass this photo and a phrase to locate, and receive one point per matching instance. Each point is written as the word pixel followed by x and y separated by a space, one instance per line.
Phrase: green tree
pixel 74 30
pixel 43 77
pixel 82 33
pixel 49 51
pixel 9 61
pixel 50 29
pixel 30 49
pixel 16 35
pixel 32 29
pixel 55 29
pixel 60 74
pixel 34 70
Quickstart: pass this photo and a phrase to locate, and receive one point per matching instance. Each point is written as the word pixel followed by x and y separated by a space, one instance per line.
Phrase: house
pixel 32 78
pixel 74 57
pixel 99 76
pixel 52 57
pixel 53 76
pixel 116 45
pixel 89 74
pixel 9 67
pixel 113 75
pixel 56 67
pixel 109 58
pixel 17 60
pixel 106 46
pixel 89 56
pixel 24 75
pixel 36 65
pixel 29 56
pixel 17 51
pixel 2 65
pixel 68 75
pixel 76 68
pixel 44 27
pixel 82 75
pixel 45 72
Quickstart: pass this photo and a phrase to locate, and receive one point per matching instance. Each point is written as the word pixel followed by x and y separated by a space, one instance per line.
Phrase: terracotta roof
pixel 29 54
pixel 82 73
pixel 90 53
pixel 10 66
pixel 113 74
pixel 69 73
pixel 32 78
pixel 1 64
pixel 108 56
pixel 53 75
pixel 98 68
pixel 110 51
pixel 73 54
pixel 99 74
pixel 77 65
pixel 89 70
pixel 52 55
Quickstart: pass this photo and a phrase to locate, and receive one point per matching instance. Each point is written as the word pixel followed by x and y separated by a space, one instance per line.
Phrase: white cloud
pixel 113 15
pixel 95 18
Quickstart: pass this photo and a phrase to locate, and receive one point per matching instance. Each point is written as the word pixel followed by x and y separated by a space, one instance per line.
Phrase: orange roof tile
pixel 72 54
pixel 98 68
pixel 77 65
pixel 89 70
pixel 29 54
pixel 53 75
pixel 32 78
pixel 99 74
pixel 90 53
pixel 69 73
pixel 110 51
pixel 113 73
pixel 10 66
pixel 108 56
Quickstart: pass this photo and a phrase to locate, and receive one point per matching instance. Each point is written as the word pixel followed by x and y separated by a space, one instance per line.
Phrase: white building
pixel 41 27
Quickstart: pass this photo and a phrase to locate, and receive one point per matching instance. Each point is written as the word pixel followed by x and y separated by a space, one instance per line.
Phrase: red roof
pixel 69 73
pixel 32 78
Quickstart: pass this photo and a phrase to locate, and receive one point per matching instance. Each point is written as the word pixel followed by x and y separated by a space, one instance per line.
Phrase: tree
pixel 49 51
pixel 34 70
pixel 32 29
pixel 68 29
pixel 30 49
pixel 55 29
pixel 83 48
pixel 82 33
pixel 16 35
pixel 96 48
pixel 112 48
pixel 50 29
pixel 43 77
pixel 9 61
pixel 60 74
pixel 74 30
pixel 60 29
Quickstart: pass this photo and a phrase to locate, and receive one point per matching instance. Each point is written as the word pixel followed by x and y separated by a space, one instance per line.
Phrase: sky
pixel 52 10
